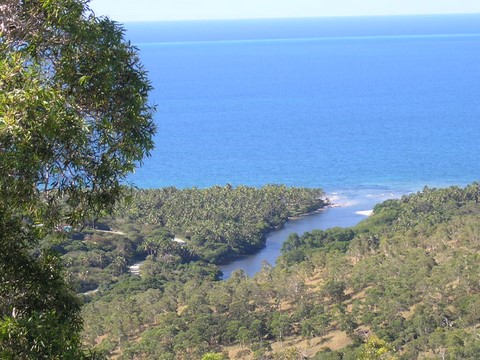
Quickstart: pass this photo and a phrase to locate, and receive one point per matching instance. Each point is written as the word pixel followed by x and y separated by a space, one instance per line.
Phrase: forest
pixel 210 226
pixel 402 284
pixel 75 122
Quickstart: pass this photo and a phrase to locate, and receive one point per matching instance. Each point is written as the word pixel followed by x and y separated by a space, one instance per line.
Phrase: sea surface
pixel 337 103
pixel 367 108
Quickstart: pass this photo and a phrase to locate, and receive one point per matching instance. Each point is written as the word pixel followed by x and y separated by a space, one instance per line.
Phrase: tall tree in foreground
pixel 74 122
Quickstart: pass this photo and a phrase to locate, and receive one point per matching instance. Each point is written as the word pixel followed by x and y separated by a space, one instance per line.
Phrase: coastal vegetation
pixel 403 284
pixel 210 226
pixel 218 223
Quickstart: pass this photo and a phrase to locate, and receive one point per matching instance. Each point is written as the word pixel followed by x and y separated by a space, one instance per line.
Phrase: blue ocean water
pixel 388 103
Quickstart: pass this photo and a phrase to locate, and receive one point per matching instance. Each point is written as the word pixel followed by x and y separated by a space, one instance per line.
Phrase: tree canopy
pixel 74 122
pixel 402 284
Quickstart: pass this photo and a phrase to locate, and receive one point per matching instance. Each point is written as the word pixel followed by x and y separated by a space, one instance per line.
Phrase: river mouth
pixel 349 207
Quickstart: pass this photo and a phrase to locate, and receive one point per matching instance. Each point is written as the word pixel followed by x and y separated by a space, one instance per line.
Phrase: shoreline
pixel 345 209
pixel 314 212
pixel 273 230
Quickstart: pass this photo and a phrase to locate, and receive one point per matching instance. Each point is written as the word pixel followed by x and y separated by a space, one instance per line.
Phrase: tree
pixel 280 325
pixel 375 348
pixel 213 356
pixel 74 122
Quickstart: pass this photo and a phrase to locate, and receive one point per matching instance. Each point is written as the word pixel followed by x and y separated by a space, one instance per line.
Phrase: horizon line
pixel 298 17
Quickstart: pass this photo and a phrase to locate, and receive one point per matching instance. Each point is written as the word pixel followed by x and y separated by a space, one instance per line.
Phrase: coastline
pixel 318 211
pixel 346 208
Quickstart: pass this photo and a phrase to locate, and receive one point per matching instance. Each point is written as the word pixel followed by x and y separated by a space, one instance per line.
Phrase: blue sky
pixel 160 10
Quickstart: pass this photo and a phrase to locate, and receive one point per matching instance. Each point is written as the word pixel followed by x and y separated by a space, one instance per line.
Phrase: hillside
pixel 402 284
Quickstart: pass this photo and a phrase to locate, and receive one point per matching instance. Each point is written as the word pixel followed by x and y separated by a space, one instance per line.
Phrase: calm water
pixel 348 213
pixel 358 106
pixel 335 103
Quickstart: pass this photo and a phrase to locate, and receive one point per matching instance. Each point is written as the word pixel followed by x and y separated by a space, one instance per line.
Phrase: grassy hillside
pixel 403 284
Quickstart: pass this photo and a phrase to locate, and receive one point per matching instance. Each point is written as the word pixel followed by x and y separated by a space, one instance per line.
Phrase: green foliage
pixel 412 292
pixel 219 223
pixel 374 349
pixel 74 121
pixel 39 314
pixel 98 257
pixel 69 145
pixel 297 249
pixel 214 356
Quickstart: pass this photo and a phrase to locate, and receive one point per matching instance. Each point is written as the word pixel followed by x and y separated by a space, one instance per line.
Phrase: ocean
pixel 379 105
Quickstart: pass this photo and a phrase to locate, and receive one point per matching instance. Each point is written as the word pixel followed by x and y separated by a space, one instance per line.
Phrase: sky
pixel 168 10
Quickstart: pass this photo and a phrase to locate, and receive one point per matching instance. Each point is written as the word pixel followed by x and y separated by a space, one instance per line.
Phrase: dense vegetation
pixel 74 122
pixel 216 224
pixel 404 284
pixel 219 222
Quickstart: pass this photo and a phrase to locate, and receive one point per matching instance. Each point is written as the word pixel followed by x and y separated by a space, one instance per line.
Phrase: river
pixel 350 207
